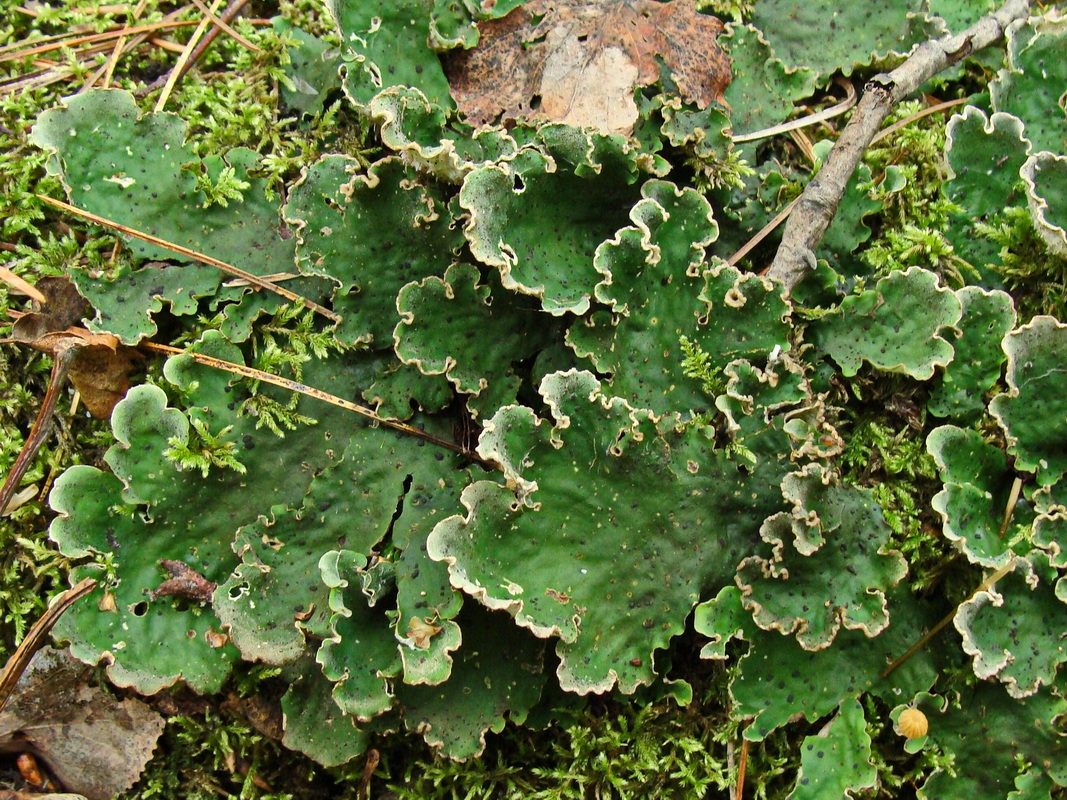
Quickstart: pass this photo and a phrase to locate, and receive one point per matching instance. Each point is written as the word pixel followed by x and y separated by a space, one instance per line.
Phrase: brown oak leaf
pixel 579 61
pixel 101 370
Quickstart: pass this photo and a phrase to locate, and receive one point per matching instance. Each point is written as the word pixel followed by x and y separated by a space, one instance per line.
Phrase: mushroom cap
pixel 912 723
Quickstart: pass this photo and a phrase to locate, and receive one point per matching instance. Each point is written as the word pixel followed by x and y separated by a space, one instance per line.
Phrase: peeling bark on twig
pixel 818 204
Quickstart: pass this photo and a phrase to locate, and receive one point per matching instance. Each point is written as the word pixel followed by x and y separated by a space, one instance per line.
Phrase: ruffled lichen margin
pixel 659 439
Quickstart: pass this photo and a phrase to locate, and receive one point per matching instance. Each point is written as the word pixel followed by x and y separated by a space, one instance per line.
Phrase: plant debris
pixel 579 62
pixel 90 742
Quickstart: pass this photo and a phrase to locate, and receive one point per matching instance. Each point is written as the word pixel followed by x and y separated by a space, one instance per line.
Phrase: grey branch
pixel 817 205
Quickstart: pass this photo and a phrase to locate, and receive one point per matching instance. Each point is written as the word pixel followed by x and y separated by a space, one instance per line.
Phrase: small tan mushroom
pixel 912 723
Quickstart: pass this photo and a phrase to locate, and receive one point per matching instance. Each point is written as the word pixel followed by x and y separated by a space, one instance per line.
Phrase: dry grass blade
pixel 179 68
pixel 1009 509
pixel 89 46
pixel 35 80
pixel 227 16
pixel 254 280
pixel 804 122
pixel 896 126
pixel 779 218
pixel 21 286
pixel 224 25
pixel 319 394
pixel 107 36
pixel 804 144
pixel 106 8
pixel 117 52
pixel 275 278
pixel 168 45
pixel 51 71
pixel 55 37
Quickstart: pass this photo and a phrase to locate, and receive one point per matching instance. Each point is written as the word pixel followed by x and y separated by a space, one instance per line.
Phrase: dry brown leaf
pixel 184 581
pixel 262 712
pixel 421 631
pixel 101 376
pixel 90 742
pixel 101 370
pixel 63 306
pixel 579 61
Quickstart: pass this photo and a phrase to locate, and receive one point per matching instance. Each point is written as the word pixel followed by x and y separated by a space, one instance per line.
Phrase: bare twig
pixel 371 764
pixel 739 791
pixel 818 204
pixel 64 357
pixel 254 280
pixel 18 662
pixel 781 216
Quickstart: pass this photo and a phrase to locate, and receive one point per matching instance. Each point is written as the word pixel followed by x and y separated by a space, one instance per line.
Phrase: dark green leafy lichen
pixel 488 270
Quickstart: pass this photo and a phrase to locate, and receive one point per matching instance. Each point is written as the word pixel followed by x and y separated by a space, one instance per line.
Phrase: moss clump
pixel 1035 277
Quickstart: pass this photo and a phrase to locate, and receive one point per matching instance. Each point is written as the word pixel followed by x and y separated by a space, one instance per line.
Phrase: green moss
pixel 312 16
pixel 903 477
pixel 712 172
pixel 926 247
pixel 916 151
pixel 21 166
pixel 282 347
pixel 908 170
pixel 617 752
pixel 31 572
pixel 696 363
pixel 208 756
pixel 1034 276
pixel 617 747
pixel 238 104
pixel 204 450
pixel 736 10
